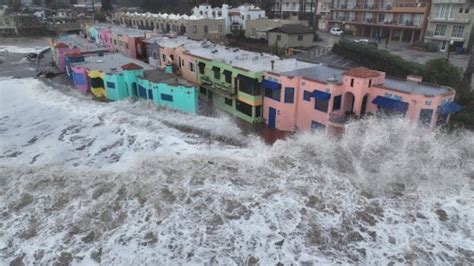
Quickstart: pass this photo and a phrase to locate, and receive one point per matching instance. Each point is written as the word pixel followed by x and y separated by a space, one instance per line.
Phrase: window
pixel 164 58
pixel 126 45
pixel 97 83
pixel 278 37
pixel 194 28
pixel 273 94
pixel 352 82
pixel 220 28
pixel 203 91
pixel 307 96
pixel 458 31
pixel 249 85
pixel 289 95
pixel 110 85
pixel 370 83
pixel 228 76
pixel 336 105
pixel 300 37
pixel 228 101
pixel 134 89
pixel 321 105
pixel 425 117
pixel 244 108
pixel 201 66
pixel 258 111
pixel 206 29
pixel 150 94
pixel 155 56
pixel 191 66
pixel 166 97
pixel 172 58
pixel 440 29
pixel 217 72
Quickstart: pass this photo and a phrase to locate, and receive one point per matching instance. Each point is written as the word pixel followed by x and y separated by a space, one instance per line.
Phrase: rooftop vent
pixel 100 61
pixel 214 51
pixel 235 50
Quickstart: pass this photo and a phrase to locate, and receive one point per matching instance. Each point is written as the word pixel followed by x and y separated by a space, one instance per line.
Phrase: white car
pixel 362 41
pixel 336 31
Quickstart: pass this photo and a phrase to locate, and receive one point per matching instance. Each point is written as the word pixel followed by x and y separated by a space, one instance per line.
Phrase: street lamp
pixel 451 42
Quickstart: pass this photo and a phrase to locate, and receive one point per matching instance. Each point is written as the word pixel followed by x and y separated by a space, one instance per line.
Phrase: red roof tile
pixel 361 72
pixel 61 45
pixel 131 66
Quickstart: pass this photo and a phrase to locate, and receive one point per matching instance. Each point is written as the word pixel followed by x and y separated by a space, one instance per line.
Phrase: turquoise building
pixel 162 88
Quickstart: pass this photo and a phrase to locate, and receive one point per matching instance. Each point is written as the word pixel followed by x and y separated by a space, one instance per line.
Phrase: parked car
pixel 367 42
pixel 336 31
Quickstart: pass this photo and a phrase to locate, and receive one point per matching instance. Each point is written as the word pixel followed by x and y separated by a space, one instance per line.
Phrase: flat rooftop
pixel 317 72
pixel 158 76
pixel 330 74
pixel 415 87
pixel 122 30
pixel 110 63
pixel 82 43
pixel 248 60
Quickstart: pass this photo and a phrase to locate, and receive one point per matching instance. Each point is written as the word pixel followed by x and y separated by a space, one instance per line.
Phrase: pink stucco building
pixel 326 97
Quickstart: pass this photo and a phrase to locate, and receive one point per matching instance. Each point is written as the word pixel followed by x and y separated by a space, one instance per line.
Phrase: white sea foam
pixel 128 183
pixel 21 49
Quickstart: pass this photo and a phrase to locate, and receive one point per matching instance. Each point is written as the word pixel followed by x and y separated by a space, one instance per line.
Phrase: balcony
pixel 217 86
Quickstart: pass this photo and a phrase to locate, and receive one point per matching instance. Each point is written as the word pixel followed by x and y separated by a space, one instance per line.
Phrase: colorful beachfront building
pixel 72 44
pixel 323 97
pixel 229 78
pixel 92 72
pixel 116 77
pixel 114 38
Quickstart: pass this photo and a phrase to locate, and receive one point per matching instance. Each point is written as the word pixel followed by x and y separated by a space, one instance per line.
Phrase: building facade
pixel 321 97
pixel 291 36
pixel 235 19
pixel 450 22
pixel 400 20
pixel 195 27
pixel 258 28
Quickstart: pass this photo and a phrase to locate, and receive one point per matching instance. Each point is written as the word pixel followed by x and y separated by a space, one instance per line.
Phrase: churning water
pixel 85 182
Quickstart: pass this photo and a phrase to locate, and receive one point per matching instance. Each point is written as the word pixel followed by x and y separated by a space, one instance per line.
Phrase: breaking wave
pixel 124 183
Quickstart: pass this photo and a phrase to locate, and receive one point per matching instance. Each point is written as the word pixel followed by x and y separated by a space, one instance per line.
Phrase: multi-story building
pixel 20 24
pixel 195 27
pixel 292 8
pixel 450 21
pixel 402 20
pixel 324 97
pixel 235 19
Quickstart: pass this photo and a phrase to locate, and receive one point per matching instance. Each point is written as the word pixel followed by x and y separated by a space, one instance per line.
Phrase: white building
pixel 234 18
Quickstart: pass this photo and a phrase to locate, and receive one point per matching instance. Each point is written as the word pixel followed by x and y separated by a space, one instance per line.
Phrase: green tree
pixel 442 72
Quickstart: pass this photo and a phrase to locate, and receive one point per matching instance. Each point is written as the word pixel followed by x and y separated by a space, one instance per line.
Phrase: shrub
pixel 374 58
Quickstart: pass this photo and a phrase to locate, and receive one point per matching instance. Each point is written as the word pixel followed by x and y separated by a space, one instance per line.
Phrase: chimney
pixel 415 78
pixel 273 64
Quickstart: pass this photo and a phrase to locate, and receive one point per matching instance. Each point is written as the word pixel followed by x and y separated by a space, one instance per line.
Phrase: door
pixel 271 117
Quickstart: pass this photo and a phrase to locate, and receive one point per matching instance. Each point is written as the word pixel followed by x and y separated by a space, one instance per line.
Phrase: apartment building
pixel 292 8
pixel 450 24
pixel 400 20
pixel 235 18
pixel 195 27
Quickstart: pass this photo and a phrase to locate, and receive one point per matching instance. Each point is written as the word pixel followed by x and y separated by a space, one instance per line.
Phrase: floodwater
pixel 86 182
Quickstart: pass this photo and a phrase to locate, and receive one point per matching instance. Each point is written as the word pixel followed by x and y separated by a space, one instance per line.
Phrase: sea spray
pixel 113 184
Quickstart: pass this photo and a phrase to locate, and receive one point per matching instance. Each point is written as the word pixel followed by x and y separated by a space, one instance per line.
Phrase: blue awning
pixel 321 95
pixel 390 104
pixel 271 85
pixel 449 108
